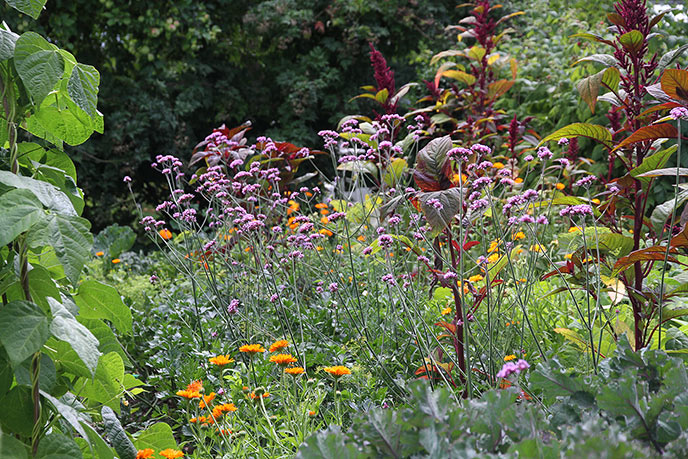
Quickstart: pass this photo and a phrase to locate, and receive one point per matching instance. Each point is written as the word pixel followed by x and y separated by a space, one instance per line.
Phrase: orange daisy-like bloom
pixel 207 399
pixel 224 431
pixel 311 413
pixel 195 386
pixel 337 371
pixel 252 348
pixel 254 396
pixel 221 360
pixel 165 234
pixel 283 359
pixel 171 453
pixel 279 345
pixel 294 371
pixel 224 408
pixel 144 453
pixel 189 394
pixel 116 260
pixel 100 254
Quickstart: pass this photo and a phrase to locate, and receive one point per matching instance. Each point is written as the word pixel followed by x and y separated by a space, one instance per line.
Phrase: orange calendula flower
pixel 254 396
pixel 283 359
pixel 326 232
pixel 476 278
pixel 518 180
pixel 498 165
pixel 518 236
pixel 321 205
pixel 207 399
pixel 100 254
pixel 337 371
pixel 509 357
pixel 560 186
pixel 252 349
pixel 165 234
pixel 189 394
pixel 294 371
pixel 170 453
pixel 324 220
pixel 116 260
pixel 220 360
pixel 446 311
pixel 144 453
pixel 225 408
pixel 279 345
pixel 195 386
pixel 311 413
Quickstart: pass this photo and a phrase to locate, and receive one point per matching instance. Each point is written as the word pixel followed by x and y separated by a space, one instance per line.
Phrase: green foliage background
pixel 171 71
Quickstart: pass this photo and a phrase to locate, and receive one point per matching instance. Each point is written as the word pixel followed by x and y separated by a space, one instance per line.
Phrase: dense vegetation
pixel 416 230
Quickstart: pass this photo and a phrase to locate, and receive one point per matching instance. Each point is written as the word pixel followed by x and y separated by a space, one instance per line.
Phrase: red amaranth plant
pixel 384 77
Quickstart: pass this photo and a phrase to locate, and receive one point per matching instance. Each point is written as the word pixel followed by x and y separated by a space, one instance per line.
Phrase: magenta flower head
pixel 544 153
pixel 126 179
pixel 679 113
pixel 511 368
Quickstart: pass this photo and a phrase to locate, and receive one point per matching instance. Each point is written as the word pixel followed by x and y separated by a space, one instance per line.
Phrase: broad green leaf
pixel 589 89
pixel 159 436
pixel 58 446
pixel 97 449
pixel 24 328
pixel 39 65
pixel 16 415
pixel 675 83
pixel 67 359
pixel 48 194
pixel 116 434
pixel 592 131
pixel 459 75
pixel 100 301
pixel 29 7
pixel 41 286
pixel 662 212
pixel 605 59
pixel 7 42
pixel 670 57
pixel 106 387
pixel 666 172
pixel 66 328
pixel 83 88
pixel 382 95
pixel 647 133
pixel 394 171
pixel 71 239
pixel 20 209
pixel 47 379
pixel 11 448
pixel 655 161
pixel 632 41
pixel 555 380
pixel 611 78
pixel 476 52
pixel 6 374
pixel 105 336
pixel 65 121
pixel 68 412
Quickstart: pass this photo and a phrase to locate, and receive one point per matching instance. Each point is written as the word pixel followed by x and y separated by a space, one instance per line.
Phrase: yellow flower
pixel 171 453
pixel 252 349
pixel 518 180
pixel 220 360
pixel 116 260
pixel 294 371
pixel 595 201
pixel 144 453
pixel 279 345
pixel 100 254
pixel 337 371
pixel 568 256
pixel 518 236
pixel 537 248
pixel 494 245
pixel 165 234
pixel 446 311
pixel 509 357
pixel 282 359
pixel 560 186
pixel 476 278
pixel 573 229
pixel 492 258
pixel 498 165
